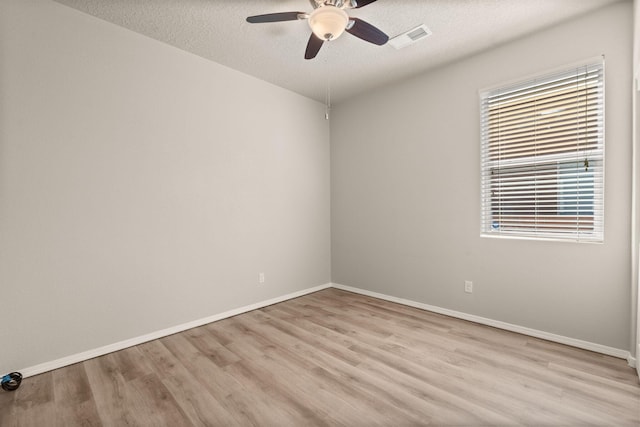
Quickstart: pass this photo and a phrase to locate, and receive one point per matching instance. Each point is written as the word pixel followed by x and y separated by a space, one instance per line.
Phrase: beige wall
pixel 142 187
pixel 406 205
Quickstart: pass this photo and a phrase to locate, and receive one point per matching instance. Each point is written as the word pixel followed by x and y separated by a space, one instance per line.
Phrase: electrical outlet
pixel 468 286
pixel 261 278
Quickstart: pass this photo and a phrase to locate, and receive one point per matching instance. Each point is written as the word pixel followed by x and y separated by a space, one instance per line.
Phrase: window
pixel 542 156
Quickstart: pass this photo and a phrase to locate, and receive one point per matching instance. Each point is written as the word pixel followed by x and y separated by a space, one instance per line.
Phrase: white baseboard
pixel 598 348
pixel 90 354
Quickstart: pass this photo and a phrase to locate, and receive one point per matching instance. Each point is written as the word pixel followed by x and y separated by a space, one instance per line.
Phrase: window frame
pixel 543 226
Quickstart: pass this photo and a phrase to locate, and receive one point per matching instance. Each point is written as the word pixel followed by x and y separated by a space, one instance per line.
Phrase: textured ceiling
pixel 217 30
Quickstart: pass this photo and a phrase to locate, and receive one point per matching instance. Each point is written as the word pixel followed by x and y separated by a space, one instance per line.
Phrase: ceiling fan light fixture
pixel 328 22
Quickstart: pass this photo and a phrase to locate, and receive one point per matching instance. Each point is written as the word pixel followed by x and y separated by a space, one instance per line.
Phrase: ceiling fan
pixel 328 21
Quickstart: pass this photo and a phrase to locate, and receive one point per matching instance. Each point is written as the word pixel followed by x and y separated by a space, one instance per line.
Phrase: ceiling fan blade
pixel 367 32
pixel 275 17
pixel 313 46
pixel 363 3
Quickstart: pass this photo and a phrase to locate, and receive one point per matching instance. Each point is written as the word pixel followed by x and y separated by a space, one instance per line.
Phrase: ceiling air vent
pixel 410 37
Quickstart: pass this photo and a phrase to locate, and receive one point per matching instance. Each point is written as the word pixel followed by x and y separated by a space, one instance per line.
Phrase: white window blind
pixel 542 156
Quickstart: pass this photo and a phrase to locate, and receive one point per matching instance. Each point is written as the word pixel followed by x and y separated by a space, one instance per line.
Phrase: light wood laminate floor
pixel 334 358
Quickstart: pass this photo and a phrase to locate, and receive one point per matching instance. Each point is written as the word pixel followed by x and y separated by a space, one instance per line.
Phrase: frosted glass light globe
pixel 328 22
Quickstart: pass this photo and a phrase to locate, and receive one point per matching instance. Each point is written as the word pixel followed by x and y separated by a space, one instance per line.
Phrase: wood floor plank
pixel 199 406
pixel 152 404
pixel 204 342
pixel 8 408
pixel 309 357
pixel 493 387
pixel 394 401
pixel 334 358
pixel 74 400
pixel 279 398
pixel 34 400
pixel 211 376
pixel 108 387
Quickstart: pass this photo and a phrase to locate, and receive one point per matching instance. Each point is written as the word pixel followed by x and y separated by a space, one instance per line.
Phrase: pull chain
pixel 328 101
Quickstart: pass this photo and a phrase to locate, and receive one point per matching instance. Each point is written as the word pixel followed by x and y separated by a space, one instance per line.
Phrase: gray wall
pixel 405 202
pixel 635 295
pixel 142 187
